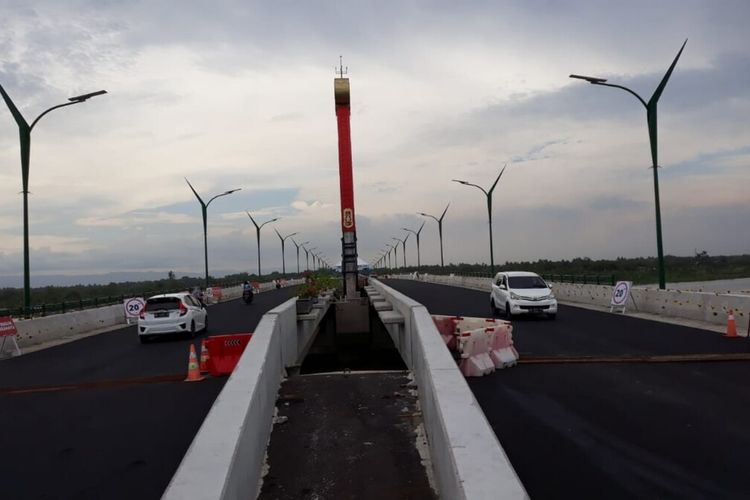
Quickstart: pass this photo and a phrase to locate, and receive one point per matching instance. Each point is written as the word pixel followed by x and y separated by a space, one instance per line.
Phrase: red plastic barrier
pixel 224 352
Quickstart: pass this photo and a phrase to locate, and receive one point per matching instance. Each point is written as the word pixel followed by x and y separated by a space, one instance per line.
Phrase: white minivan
pixel 521 292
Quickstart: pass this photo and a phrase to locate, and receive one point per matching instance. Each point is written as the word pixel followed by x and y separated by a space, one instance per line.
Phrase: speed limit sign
pixel 620 294
pixel 133 307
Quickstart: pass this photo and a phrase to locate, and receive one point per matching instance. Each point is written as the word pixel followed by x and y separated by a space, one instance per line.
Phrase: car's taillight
pixel 183 309
pixel 142 314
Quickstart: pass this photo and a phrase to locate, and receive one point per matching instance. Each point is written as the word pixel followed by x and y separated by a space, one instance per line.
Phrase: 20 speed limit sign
pixel 621 292
pixel 133 307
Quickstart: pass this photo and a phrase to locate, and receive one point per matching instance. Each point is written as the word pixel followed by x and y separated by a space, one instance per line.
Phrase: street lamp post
pixel 310 251
pixel 440 229
pixel 488 194
pixel 416 233
pixel 24 132
pixel 298 247
pixel 403 246
pixel 651 107
pixel 204 211
pixel 283 256
pixel 257 234
pixel 389 249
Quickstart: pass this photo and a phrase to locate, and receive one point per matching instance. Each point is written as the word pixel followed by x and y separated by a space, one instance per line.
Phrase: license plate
pixel 161 314
pixel 536 309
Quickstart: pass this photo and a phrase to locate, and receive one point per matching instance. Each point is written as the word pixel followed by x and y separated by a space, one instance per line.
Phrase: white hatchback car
pixel 171 313
pixel 520 292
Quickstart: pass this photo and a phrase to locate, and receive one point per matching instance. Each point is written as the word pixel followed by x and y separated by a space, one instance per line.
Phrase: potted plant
pixel 307 293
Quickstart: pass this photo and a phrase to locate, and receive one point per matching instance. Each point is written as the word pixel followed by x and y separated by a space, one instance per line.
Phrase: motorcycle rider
pixel 247 291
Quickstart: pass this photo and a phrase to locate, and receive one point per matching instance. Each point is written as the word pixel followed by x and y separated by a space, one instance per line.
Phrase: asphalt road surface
pixel 612 430
pixel 106 417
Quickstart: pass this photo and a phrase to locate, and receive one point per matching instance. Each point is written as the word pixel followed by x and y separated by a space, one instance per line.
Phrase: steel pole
pixel 489 214
pixel 205 239
pixel 257 232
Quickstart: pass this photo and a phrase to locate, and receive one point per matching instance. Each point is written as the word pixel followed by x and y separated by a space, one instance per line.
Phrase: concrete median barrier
pixel 468 460
pixel 226 457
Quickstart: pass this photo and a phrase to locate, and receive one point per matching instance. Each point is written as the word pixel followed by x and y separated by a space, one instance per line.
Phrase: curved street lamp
pixel 313 259
pixel 257 234
pixel 440 229
pixel 204 209
pixel 24 132
pixel 488 194
pixel 283 256
pixel 298 247
pixel 388 249
pixel 403 246
pixel 651 107
pixel 416 233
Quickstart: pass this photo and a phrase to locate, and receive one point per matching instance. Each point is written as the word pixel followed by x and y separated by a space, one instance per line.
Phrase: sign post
pixel 8 329
pixel 620 295
pixel 133 307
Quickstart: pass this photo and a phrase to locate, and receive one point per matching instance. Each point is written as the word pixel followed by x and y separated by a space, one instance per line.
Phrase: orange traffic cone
pixel 204 357
pixel 731 326
pixel 194 373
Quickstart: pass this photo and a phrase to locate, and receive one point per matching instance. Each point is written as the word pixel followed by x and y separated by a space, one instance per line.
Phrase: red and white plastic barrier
pixel 484 344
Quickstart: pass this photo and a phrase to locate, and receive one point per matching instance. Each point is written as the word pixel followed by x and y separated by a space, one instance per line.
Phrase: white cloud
pixel 240 95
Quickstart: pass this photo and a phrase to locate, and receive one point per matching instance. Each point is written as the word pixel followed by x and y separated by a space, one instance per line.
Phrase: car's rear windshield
pixel 524 282
pixel 165 303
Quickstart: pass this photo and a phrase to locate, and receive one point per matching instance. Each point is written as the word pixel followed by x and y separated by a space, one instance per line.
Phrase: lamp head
pixel 590 79
pixel 81 98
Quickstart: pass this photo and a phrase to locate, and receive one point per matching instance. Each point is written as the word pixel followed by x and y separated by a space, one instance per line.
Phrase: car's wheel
pixel 144 339
pixel 552 316
pixel 495 310
pixel 205 323
pixel 508 314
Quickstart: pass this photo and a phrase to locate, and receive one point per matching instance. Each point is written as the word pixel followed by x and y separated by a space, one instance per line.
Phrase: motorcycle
pixel 247 295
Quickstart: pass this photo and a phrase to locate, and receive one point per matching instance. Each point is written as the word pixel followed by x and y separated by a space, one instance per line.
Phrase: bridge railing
pixel 583 279
pixel 46 309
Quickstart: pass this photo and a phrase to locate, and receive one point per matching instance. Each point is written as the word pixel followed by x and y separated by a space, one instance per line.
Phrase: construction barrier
pixel 224 351
pixel 8 330
pixel 483 344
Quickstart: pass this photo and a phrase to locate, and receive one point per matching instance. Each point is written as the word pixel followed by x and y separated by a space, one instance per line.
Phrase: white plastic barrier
pixel 225 459
pixel 458 333
pixel 467 458
pixel 699 306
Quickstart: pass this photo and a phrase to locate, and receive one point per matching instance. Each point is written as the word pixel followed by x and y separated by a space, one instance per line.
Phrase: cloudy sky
pixel 239 94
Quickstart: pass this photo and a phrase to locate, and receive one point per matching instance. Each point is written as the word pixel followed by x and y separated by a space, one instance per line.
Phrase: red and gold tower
pixel 346 184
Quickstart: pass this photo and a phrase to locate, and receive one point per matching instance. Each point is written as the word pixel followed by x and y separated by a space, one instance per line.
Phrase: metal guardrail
pixel 584 279
pixel 63 307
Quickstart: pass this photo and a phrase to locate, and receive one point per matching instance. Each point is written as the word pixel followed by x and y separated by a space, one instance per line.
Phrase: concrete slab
pixel 346 436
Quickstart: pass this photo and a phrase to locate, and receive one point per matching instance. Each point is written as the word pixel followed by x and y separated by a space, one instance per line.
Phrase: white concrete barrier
pixel 36 331
pixel 225 459
pixel 468 460
pixel 56 327
pixel 707 307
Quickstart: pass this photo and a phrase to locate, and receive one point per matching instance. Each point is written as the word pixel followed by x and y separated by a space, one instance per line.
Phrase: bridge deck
pixel 613 430
pixel 346 436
